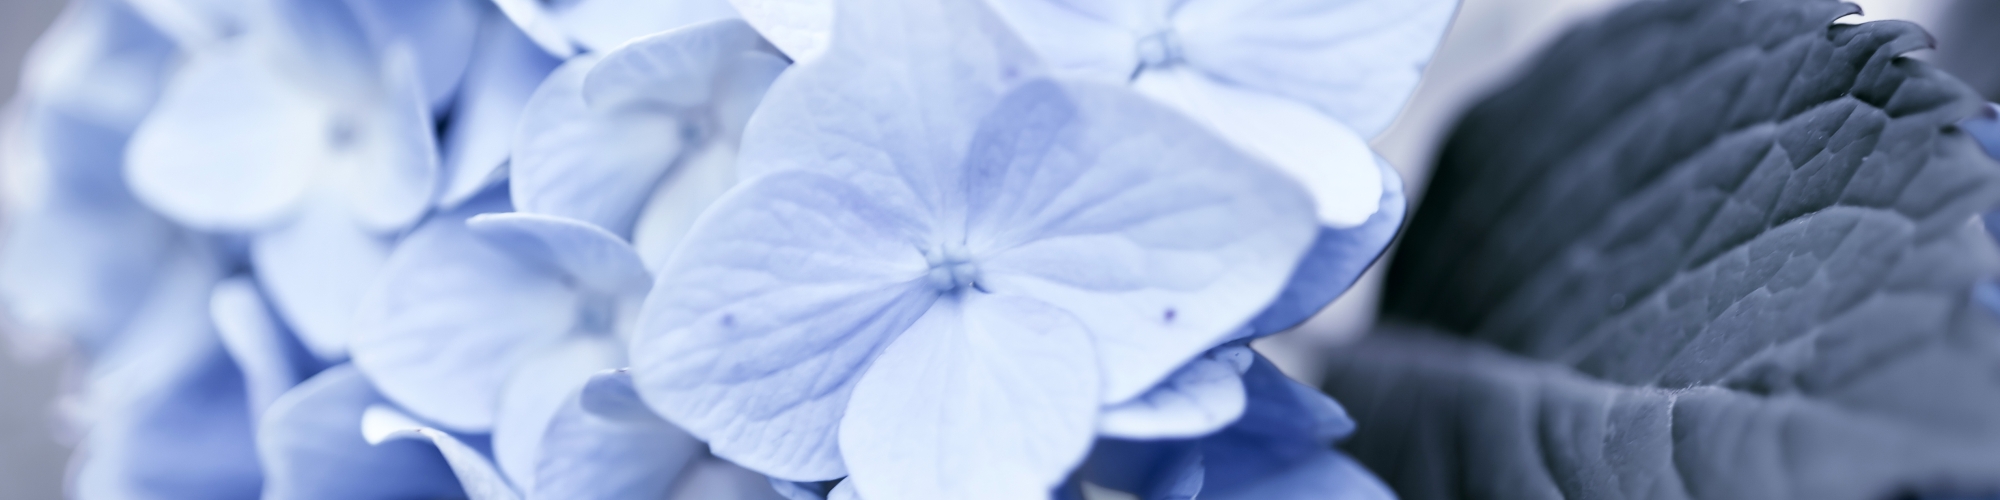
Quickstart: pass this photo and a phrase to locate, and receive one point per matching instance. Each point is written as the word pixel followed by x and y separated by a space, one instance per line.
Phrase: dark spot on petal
pixel 728 321
pixel 1169 316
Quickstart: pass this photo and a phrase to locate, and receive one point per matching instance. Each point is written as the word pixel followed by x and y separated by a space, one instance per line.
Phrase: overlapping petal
pixel 605 444
pixel 316 269
pixel 505 70
pixel 981 398
pixel 595 259
pixel 536 393
pixel 311 446
pixel 658 119
pixel 482 481
pixel 441 332
pixel 802 280
pixel 1201 397
pixel 1162 239
pixel 258 342
pixel 1337 259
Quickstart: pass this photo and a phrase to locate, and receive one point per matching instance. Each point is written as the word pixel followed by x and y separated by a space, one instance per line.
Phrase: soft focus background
pixel 1488 40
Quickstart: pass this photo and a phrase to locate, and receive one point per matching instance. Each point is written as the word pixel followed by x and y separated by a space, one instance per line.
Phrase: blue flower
pixel 943 263
pixel 565 29
pixel 322 162
pixel 80 253
pixel 487 320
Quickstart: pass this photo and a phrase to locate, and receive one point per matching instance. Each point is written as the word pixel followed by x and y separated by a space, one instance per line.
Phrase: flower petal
pixel 1161 238
pixel 596 259
pixel 1329 474
pixel 166 406
pixel 848 113
pixel 1286 423
pixel 575 162
pixel 79 263
pixel 603 25
pixel 1201 397
pixel 222 151
pixel 316 270
pixel 1095 40
pixel 758 328
pixel 452 316
pixel 536 393
pixel 1152 470
pixel 713 478
pixel 1338 258
pixel 439 35
pixel 312 447
pixel 1325 156
pixel 258 342
pixel 506 68
pixel 605 444
pixel 1357 60
pixel 798 27
pixel 382 424
pixel 540 26
pixel 683 69
pixel 986 396
pixel 392 175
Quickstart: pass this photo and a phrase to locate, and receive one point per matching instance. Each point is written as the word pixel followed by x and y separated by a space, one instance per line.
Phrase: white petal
pixel 451 318
pixel 985 397
pixel 604 444
pixel 1358 60
pixel 232 145
pixel 575 162
pixel 595 259
pixel 316 270
pixel 759 327
pixel 539 389
pixel 1161 238
pixel 1326 157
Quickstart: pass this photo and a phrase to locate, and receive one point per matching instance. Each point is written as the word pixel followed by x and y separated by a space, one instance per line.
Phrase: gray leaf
pixel 1700 249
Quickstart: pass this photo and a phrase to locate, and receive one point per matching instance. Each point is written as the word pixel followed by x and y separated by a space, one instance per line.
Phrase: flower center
pixel 1160 49
pixel 952 268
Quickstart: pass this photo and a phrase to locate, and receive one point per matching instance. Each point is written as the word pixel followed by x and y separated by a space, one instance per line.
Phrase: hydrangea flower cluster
pixel 697 249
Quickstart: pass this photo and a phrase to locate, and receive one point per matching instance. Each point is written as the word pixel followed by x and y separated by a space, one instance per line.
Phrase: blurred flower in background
pixel 615 249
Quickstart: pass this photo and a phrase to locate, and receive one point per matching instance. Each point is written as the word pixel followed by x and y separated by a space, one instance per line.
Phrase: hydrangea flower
pixel 322 163
pixel 565 29
pixel 944 262
pixel 486 322
pixel 80 253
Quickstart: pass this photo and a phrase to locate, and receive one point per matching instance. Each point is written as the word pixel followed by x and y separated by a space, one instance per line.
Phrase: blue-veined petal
pixel 798 27
pixel 603 25
pixel 506 68
pixel 986 396
pixel 451 317
pixel 312 448
pixel 572 161
pixel 1357 60
pixel 1161 238
pixel 1199 398
pixel 270 360
pixel 759 327
pixel 848 113
pixel 536 392
pixel 605 444
pixel 482 481
pixel 1322 154
pixel 596 259
pixel 1338 258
